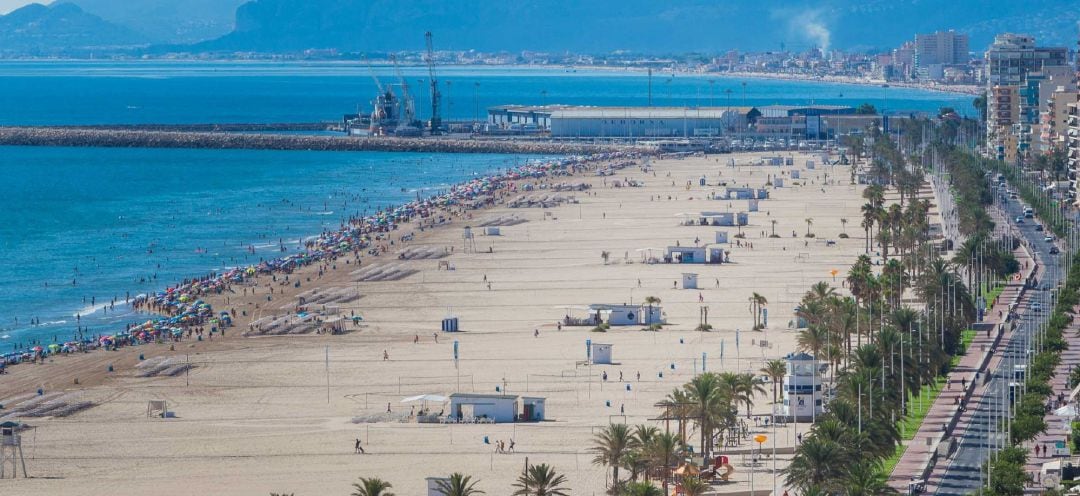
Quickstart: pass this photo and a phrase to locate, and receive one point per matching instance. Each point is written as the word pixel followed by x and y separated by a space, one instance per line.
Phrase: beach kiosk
pixel 752 205
pixel 600 353
pixel 689 280
pixel 778 182
pixel 721 237
pixel 626 315
pixel 802 387
pixel 499 408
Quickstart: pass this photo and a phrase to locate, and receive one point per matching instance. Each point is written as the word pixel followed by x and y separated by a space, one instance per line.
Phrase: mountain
pixel 60 29
pixel 599 26
pixel 168 21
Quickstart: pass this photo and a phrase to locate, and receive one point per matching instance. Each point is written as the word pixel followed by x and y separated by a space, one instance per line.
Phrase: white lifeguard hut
pixel 795 174
pixel 721 237
pixel 778 182
pixel 689 280
pixel 11 449
pixel 600 353
pixel 802 387
pixel 752 205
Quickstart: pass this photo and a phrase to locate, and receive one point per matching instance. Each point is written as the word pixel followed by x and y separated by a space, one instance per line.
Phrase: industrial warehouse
pixel 569 121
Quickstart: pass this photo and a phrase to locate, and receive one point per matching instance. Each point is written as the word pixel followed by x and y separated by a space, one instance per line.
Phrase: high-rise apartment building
pixel 1008 62
pixel 941 48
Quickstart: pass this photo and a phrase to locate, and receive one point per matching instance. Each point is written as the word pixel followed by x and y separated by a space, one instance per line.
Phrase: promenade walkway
pixel 962 389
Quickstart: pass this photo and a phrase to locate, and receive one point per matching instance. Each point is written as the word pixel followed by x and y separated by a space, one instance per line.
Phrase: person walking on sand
pixel 359 449
pixel 510 449
pixel 436 337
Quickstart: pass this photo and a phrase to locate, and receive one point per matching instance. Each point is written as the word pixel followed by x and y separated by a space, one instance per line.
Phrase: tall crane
pixel 436 121
pixel 408 106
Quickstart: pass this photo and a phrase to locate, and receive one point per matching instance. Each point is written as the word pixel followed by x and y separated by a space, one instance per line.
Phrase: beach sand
pixel 257 415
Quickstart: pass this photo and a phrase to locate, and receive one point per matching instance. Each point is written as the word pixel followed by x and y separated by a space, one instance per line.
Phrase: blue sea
pixel 80 227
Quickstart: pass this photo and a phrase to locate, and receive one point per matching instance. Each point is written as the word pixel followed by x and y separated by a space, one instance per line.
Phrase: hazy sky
pixel 10 5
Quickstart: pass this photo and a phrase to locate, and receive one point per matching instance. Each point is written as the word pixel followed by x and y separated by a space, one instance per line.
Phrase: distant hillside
pixel 638 25
pixel 168 21
pixel 61 28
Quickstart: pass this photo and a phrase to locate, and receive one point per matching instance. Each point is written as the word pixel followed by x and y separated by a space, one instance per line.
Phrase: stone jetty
pixel 127 138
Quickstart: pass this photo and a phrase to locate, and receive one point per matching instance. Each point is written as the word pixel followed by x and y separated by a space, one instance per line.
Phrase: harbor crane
pixel 435 125
pixel 408 105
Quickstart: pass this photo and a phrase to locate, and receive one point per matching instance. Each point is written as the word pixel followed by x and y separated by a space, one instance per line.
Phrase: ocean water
pixel 186 92
pixel 79 227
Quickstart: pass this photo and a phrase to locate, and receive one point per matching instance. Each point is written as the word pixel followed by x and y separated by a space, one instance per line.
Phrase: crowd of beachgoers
pixel 180 309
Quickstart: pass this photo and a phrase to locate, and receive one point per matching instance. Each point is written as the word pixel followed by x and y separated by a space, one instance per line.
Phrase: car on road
pixel 1048 239
pixel 1054 250
pixel 1036 306
pixel 1019 220
pixel 1038 227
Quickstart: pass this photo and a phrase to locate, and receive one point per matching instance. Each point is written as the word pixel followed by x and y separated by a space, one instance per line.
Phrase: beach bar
pixel 625 315
pixel 497 408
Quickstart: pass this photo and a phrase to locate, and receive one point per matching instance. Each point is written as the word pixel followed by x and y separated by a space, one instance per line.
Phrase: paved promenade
pixel 962 390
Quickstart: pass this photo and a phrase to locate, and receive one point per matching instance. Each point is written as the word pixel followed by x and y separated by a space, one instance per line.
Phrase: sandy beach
pixel 265 414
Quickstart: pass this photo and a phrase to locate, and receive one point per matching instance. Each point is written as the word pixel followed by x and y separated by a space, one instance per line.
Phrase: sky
pixel 10 5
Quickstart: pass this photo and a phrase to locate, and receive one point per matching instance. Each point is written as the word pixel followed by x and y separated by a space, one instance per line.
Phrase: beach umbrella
pixel 37 349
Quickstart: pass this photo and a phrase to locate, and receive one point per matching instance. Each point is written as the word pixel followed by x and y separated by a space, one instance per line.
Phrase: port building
pixel 567 121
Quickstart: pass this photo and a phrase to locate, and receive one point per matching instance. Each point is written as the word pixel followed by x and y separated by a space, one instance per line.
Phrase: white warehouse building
pixel 567 121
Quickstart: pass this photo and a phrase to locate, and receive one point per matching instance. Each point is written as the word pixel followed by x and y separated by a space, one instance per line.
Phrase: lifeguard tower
pixel 11 449
pixel 468 240
pixel 802 388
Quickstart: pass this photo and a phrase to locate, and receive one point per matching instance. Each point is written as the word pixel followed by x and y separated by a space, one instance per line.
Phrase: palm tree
pixel 809 222
pixel 773 222
pixel 710 404
pixel 677 405
pixel 775 370
pixel 458 485
pixel 866 479
pixel 641 489
pixel 650 301
pixel 663 451
pixel 693 486
pixel 610 445
pixel 813 339
pixel 843 225
pixel 636 462
pixel 373 486
pixel 541 480
pixel 756 303
pixel 817 462
pixel 605 255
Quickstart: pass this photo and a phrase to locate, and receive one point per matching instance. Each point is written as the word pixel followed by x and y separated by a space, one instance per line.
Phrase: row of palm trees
pixel 709 403
pixel 881 352
pixel 535 480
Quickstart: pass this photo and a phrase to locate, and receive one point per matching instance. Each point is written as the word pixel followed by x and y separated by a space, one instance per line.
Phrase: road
pixel 964 473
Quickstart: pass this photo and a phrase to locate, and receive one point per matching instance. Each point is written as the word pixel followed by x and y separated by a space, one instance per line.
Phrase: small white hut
pixel 689 280
pixel 600 353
